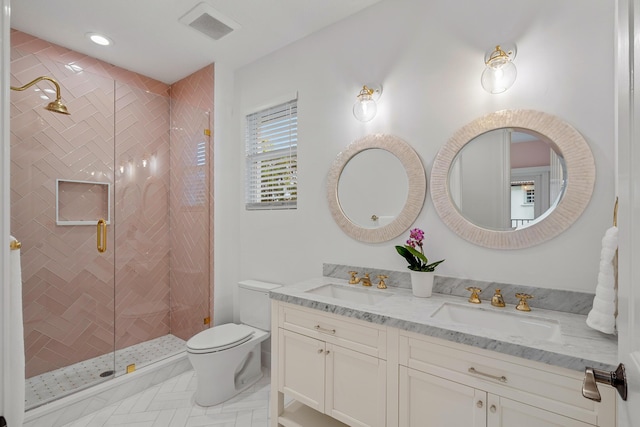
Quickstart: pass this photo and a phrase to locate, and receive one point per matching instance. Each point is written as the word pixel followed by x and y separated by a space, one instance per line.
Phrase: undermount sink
pixel 352 294
pixel 518 324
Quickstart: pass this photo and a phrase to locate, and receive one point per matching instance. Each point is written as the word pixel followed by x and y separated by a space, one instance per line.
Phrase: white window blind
pixel 271 169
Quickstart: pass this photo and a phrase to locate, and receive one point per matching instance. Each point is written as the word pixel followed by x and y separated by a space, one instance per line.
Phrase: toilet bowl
pixel 227 358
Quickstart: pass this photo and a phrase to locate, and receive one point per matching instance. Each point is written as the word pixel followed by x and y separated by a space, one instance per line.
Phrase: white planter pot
pixel 422 283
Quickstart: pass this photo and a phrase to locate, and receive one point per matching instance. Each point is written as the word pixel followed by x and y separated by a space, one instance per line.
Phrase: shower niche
pixel 82 202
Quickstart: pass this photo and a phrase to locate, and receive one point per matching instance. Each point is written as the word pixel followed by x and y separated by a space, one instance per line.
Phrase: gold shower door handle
pixel 101 236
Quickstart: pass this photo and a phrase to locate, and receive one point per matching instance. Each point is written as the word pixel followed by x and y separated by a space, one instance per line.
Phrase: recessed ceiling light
pixel 100 39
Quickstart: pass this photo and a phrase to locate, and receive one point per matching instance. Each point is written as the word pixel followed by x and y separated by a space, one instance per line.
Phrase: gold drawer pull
pixel 325 330
pixel 502 379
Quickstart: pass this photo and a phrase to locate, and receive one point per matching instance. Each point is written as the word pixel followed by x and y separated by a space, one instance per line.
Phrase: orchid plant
pixel 412 251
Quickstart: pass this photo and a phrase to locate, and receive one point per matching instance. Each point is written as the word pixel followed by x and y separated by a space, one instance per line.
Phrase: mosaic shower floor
pixel 53 385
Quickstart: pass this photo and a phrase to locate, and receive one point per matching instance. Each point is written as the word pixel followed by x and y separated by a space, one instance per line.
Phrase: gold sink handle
pixel 474 298
pixel 382 285
pixel 353 279
pixel 523 305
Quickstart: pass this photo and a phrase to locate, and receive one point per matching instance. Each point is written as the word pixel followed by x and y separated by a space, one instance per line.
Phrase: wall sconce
pixel 500 73
pixel 365 107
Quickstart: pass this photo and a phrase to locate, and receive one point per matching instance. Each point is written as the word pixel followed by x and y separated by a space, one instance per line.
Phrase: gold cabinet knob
pixel 382 285
pixel 474 298
pixel 493 409
pixel 479 403
pixel 523 305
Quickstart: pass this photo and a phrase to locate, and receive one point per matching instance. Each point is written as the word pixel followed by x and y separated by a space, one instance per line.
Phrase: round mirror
pixel 376 188
pixel 507 179
pixel 491 186
pixel 373 188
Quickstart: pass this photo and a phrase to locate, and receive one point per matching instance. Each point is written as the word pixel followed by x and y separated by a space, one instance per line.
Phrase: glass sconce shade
pixel 365 107
pixel 500 72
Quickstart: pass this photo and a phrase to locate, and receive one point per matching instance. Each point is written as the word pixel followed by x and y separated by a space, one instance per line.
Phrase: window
pixel 529 197
pixel 271 158
pixel 195 177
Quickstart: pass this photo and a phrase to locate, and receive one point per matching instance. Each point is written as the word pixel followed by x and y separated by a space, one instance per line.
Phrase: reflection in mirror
pixel 507 179
pixel 373 188
pixel 377 175
pixel 571 175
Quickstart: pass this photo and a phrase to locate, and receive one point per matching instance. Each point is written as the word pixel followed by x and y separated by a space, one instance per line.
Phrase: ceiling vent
pixel 209 21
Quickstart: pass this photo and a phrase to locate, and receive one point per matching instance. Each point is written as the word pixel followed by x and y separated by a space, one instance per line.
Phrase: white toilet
pixel 226 358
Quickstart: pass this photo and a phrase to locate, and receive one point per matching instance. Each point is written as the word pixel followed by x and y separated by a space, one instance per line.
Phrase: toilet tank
pixel 255 307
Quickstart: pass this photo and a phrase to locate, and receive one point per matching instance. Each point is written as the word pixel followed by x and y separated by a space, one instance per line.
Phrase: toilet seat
pixel 219 338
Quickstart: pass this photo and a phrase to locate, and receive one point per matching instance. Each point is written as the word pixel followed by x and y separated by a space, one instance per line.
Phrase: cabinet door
pixel 503 412
pixel 356 387
pixel 301 368
pixel 429 401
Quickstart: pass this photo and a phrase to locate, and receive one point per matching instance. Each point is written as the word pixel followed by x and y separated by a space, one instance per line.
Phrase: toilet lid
pixel 220 337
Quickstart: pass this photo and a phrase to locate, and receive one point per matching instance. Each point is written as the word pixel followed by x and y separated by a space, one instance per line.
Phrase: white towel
pixel 14 408
pixel 602 316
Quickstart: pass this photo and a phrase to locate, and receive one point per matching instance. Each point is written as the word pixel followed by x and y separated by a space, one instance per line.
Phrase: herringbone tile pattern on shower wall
pixel 142 213
pixel 118 133
pixel 190 194
pixel 67 284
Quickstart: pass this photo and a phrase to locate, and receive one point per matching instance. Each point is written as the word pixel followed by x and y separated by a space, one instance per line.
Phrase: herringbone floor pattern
pixel 171 404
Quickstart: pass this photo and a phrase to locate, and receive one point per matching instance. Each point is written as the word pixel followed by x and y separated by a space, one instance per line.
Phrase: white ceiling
pixel 150 40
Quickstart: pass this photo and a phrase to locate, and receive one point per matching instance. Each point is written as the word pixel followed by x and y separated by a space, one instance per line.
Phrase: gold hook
pixel 14 245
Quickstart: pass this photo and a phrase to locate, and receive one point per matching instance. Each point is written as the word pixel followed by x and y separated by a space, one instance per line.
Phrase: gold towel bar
pixel 15 245
pixel 615 213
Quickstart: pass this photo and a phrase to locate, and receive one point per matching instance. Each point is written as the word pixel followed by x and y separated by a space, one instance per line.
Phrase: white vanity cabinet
pixel 331 364
pixel 443 383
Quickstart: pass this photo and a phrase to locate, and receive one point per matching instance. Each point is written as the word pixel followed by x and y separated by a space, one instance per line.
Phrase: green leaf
pixel 417 254
pixel 414 264
pixel 433 265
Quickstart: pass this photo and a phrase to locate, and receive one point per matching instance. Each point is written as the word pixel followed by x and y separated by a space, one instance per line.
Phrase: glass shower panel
pixel 143 333
pixel 61 185
pixel 190 215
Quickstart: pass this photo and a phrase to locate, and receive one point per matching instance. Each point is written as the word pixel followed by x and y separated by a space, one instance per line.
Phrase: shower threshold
pixel 50 386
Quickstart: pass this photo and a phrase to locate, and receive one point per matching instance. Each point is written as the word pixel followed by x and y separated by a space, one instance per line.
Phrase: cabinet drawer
pixel 555 389
pixel 367 338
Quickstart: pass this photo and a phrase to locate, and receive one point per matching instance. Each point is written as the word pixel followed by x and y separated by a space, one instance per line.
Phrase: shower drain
pixel 107 374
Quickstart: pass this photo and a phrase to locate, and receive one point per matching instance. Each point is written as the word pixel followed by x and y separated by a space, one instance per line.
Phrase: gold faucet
pixel 474 298
pixel 382 285
pixel 365 280
pixel 497 300
pixel 523 305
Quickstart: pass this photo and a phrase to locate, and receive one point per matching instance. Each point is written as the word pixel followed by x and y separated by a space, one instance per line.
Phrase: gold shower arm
pixel 39 79
pixel 56 106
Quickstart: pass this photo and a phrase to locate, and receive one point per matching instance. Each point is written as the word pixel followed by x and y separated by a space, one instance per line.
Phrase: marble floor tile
pixel 172 404
pixel 53 385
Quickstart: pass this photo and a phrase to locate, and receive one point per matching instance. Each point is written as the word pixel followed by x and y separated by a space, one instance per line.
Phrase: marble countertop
pixel 579 345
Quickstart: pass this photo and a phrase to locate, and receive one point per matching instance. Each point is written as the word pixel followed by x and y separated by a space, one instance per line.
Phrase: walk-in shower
pixel 135 154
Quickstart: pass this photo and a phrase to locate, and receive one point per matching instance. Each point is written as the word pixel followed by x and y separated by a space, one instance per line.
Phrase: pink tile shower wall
pixel 142 216
pixel 67 284
pixel 191 106
pixel 68 287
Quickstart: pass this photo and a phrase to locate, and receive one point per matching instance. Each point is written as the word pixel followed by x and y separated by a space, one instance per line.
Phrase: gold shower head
pixel 56 106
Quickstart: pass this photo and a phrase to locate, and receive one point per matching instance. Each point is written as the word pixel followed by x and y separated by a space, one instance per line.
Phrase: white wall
pixel 429 57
